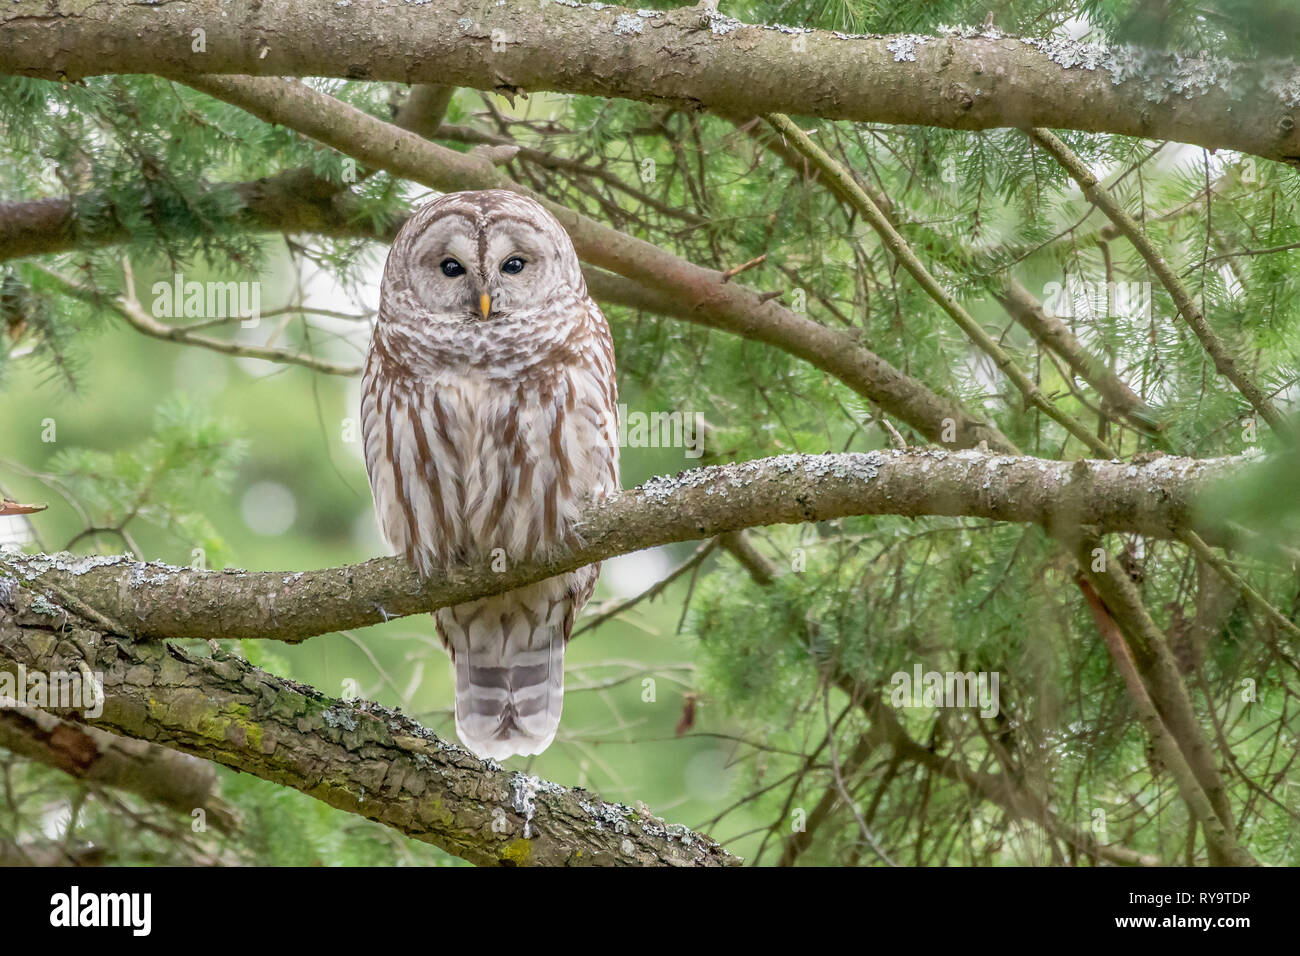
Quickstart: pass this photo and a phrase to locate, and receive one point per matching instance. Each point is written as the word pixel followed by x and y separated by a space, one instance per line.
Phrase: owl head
pixel 481 258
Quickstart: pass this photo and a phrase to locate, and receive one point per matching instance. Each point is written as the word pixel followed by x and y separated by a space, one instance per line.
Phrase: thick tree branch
pixel 166 777
pixel 157 600
pixel 353 755
pixel 1223 844
pixel 1150 652
pixel 290 202
pixel 691 56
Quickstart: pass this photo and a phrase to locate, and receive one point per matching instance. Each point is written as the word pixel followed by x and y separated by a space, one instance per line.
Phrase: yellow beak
pixel 485 304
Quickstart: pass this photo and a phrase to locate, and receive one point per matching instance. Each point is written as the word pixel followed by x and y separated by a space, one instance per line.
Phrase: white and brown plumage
pixel 488 415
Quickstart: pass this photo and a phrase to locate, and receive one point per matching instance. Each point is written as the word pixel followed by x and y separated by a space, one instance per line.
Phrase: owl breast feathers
pixel 488 416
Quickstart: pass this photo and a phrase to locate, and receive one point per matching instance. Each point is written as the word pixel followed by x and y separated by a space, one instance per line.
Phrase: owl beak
pixel 485 304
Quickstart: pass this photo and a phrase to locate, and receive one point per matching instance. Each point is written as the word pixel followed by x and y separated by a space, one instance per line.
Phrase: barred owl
pixel 488 416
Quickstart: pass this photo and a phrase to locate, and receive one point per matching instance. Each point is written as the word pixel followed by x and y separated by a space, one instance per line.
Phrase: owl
pixel 488 413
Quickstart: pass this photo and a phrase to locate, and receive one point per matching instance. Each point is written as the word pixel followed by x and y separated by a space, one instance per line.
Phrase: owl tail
pixel 508 659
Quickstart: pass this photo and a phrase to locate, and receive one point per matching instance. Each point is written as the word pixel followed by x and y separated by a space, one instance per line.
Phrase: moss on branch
pixel 353 755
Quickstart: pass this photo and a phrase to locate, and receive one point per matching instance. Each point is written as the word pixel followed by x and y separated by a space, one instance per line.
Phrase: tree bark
pixel 152 599
pixel 162 776
pixel 353 755
pixel 690 56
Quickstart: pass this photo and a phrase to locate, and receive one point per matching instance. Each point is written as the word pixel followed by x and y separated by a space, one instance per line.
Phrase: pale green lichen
pixel 626 25
pixel 42 605
pixel 613 815
pixel 904 47
pixel 339 717
pixel 64 561
pixel 720 25
pixel 1165 75
pixel 716 479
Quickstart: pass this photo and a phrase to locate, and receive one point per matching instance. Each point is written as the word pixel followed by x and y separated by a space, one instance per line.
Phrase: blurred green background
pixel 299 499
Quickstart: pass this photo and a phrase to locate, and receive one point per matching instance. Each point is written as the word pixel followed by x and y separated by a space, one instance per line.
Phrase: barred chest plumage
pixel 486 462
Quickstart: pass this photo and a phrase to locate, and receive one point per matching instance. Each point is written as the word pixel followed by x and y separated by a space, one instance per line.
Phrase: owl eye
pixel 451 268
pixel 513 266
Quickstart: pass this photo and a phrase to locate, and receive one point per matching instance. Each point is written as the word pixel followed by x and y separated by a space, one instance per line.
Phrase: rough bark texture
pixel 353 755
pixel 688 56
pixel 156 600
pixel 162 776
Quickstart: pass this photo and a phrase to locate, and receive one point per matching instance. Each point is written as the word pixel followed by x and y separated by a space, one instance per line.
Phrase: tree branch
pixel 1000 790
pixel 1224 363
pixel 289 202
pixel 685 289
pixel 689 56
pixel 129 308
pixel 1054 334
pixel 1220 839
pixel 157 600
pixel 353 755
pixel 908 259
pixel 1017 301
pixel 162 776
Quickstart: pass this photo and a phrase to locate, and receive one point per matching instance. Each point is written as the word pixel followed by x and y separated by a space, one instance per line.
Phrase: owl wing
pixel 381 449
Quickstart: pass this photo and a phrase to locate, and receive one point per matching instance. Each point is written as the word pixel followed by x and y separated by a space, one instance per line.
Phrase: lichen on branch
pixel 965 79
pixel 353 755
pixel 153 599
